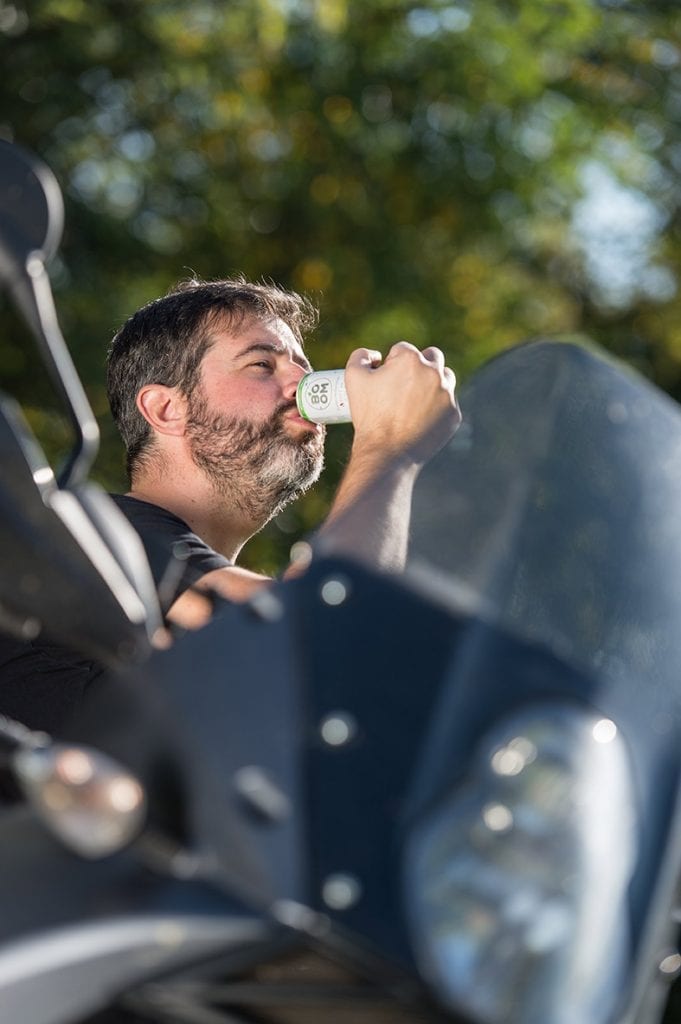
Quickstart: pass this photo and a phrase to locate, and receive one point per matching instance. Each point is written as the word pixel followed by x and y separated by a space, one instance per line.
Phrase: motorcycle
pixel 449 796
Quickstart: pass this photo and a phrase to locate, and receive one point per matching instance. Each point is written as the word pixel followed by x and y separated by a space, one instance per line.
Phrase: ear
pixel 164 408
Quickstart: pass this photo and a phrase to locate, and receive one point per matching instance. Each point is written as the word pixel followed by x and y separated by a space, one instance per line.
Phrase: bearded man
pixel 202 386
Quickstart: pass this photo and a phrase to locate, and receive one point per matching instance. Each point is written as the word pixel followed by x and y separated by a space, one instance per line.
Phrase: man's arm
pixel 404 410
pixel 194 608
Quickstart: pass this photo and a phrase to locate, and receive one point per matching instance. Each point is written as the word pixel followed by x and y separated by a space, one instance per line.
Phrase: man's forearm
pixel 370 516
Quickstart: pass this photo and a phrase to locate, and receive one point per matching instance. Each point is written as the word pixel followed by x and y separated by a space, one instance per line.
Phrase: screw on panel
pixel 338 728
pixel 334 591
pixel 341 891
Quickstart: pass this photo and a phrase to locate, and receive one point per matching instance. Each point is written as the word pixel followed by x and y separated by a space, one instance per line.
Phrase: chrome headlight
pixel 516 883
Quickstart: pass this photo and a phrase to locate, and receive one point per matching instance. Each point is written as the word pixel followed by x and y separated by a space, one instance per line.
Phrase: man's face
pixel 243 425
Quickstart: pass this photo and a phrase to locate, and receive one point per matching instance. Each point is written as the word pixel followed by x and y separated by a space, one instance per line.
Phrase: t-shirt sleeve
pixel 177 556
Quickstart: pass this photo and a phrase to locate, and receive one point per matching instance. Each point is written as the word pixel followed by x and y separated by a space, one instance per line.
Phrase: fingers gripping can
pixel 322 398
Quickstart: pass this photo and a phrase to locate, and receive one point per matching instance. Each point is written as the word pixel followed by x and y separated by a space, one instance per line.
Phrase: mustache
pixel 284 408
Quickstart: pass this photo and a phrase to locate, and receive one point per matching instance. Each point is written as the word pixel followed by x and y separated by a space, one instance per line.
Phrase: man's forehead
pixel 272 332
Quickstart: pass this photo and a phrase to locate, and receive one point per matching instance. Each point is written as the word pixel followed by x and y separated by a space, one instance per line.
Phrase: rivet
pixel 341 891
pixel 338 728
pixel 334 591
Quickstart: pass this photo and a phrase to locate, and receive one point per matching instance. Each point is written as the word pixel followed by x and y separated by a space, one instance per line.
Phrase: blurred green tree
pixel 464 174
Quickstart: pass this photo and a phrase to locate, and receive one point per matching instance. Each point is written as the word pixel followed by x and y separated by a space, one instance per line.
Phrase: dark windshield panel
pixel 556 508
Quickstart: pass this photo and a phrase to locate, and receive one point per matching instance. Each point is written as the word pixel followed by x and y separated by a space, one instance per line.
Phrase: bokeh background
pixel 467 174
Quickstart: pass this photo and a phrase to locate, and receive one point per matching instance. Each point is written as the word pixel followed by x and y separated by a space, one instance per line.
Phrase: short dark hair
pixel 165 341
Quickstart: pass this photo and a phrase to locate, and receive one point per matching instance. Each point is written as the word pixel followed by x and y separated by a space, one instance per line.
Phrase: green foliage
pixel 417 168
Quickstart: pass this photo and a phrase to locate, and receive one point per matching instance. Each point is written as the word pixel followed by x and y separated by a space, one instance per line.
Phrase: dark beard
pixel 258 468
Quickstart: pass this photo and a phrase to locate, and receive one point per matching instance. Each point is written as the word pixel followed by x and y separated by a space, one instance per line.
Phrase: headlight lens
pixel 516 883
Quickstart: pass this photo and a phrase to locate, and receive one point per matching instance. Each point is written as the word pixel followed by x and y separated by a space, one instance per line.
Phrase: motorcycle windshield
pixel 553 515
pixel 555 512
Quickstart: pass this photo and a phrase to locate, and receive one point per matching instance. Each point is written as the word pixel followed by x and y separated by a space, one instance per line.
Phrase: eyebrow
pixel 277 350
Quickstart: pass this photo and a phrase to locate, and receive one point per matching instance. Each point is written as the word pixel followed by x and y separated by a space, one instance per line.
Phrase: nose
pixel 294 374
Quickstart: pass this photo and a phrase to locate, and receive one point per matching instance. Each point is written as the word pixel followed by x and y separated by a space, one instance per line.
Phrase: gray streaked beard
pixel 259 468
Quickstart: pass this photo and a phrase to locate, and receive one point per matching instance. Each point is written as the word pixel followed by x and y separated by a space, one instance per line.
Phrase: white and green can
pixel 322 398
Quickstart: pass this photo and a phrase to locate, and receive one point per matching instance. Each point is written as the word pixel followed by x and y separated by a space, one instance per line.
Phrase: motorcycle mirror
pixel 31 211
pixel 31 222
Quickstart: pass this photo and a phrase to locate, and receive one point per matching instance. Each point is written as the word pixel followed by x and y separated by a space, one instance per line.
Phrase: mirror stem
pixel 33 294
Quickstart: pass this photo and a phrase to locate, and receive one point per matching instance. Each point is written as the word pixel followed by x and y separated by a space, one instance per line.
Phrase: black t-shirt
pixel 41 682
pixel 165 535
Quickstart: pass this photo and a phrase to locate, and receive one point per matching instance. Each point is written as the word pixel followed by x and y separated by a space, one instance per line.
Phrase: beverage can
pixel 321 397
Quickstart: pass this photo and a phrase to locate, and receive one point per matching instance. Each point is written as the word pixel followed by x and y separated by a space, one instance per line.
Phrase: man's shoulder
pixel 174 551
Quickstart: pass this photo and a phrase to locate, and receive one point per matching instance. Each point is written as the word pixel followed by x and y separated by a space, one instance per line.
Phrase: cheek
pixel 247 400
